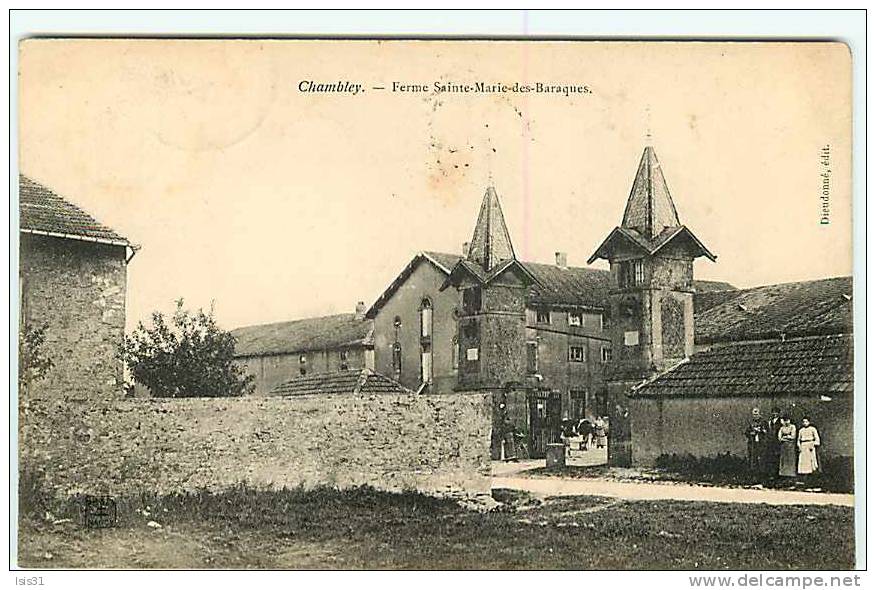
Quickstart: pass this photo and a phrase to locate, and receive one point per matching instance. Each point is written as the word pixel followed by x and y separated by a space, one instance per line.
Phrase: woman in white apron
pixel 807 442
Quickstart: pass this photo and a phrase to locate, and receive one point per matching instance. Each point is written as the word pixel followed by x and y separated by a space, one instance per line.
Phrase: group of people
pixel 589 433
pixel 778 448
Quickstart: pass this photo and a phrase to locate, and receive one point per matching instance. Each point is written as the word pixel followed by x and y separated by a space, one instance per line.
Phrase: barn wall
pixel 437 444
pixel 272 370
pixel 77 290
pixel 709 427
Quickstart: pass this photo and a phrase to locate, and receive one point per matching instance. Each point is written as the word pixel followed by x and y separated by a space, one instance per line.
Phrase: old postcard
pixel 435 304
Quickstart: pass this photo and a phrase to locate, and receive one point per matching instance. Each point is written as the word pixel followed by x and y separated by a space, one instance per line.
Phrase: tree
pixel 33 364
pixel 189 356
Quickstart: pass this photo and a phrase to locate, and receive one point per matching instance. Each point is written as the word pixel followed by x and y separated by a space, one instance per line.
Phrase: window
pixel 631 273
pixel 606 354
pixel 426 318
pixel 576 354
pixel 426 363
pixel 471 300
pixel 575 318
pixel 454 352
pixel 638 272
pixel 542 316
pixel 343 365
pixel 396 358
pixel 532 357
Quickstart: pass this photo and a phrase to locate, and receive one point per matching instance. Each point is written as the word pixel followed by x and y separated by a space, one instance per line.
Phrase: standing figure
pixel 787 440
pixel 600 434
pixel 585 430
pixel 774 446
pixel 756 433
pixel 807 443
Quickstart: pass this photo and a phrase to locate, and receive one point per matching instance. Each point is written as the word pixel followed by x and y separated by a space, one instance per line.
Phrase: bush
pixel 33 364
pixel 188 357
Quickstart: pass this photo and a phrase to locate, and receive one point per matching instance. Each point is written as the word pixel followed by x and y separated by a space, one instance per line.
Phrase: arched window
pixel 426 318
pixel 454 352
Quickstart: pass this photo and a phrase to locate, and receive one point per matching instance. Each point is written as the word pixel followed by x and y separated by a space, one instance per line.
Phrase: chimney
pixel 465 247
pixel 562 260
pixel 360 310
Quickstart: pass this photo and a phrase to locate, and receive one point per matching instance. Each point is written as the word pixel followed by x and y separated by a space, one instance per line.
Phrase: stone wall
pixel 437 444
pixel 77 290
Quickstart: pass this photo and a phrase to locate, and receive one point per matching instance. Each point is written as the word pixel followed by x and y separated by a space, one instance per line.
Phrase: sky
pixel 276 204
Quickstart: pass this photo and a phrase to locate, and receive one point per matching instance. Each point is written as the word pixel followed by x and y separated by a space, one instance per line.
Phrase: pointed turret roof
pixel 650 219
pixel 491 242
pixel 650 208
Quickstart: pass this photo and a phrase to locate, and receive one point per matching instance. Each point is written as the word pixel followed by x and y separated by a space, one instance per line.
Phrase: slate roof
pixel 45 212
pixel 649 208
pixel 490 243
pixel 804 308
pixel 351 381
pixel 323 333
pixel 808 366
pixel 572 286
pixel 650 219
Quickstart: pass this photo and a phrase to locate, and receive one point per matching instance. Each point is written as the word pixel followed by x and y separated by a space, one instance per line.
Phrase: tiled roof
pixel 44 211
pixel 810 366
pixel 792 309
pixel 352 381
pixel 323 333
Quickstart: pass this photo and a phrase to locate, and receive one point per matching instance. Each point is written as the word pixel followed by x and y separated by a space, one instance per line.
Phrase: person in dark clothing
pixel 773 444
pixel 757 433
pixel 585 431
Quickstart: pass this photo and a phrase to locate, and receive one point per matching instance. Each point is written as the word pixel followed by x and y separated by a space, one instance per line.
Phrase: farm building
pixel 72 286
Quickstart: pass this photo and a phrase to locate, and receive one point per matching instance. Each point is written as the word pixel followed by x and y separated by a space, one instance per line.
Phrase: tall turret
pixel 651 257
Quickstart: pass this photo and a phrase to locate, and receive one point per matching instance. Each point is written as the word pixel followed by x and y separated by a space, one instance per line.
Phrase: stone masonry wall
pixel 436 444
pixel 77 290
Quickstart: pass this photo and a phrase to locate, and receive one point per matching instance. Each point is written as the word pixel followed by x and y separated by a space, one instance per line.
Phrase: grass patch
pixel 364 528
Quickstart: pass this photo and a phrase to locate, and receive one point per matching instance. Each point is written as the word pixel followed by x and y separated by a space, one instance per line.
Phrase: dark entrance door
pixel 545 419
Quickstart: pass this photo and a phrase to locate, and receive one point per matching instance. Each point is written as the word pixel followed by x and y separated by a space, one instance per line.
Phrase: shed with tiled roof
pixel 363 381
